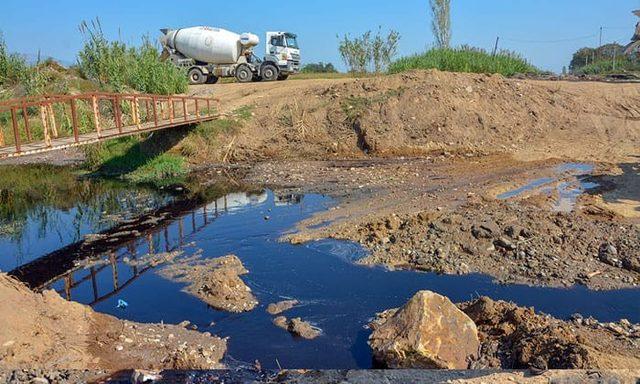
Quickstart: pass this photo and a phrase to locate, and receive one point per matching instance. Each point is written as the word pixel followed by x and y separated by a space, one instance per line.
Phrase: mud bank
pixel 47 332
pixel 517 242
pixel 215 281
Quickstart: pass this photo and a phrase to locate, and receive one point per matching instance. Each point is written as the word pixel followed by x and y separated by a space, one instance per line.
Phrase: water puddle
pixel 336 295
pixel 569 183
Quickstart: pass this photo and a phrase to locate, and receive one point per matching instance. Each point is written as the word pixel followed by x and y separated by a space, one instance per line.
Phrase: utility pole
pixel 495 48
pixel 615 51
pixel 600 44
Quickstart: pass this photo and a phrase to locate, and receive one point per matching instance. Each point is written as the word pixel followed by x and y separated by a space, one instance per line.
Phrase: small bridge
pixel 46 123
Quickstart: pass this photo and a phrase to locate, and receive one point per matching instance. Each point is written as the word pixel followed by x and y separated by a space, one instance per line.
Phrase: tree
pixel 383 50
pixel 441 22
pixel 368 52
pixel 319 68
pixel 585 56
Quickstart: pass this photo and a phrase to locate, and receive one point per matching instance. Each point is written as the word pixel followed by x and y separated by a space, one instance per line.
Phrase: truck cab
pixel 282 48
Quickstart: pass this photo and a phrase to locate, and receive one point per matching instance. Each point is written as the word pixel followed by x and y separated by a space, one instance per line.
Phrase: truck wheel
pixel 212 79
pixel 283 77
pixel 269 72
pixel 244 74
pixel 196 76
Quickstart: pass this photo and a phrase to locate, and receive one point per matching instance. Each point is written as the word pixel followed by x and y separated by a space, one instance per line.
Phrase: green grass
pixel 465 59
pixel 126 158
pixel 203 142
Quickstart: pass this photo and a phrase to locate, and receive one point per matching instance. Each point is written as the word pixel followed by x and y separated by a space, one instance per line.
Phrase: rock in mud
pixel 217 282
pixel 429 332
pixel 297 327
pixel 280 307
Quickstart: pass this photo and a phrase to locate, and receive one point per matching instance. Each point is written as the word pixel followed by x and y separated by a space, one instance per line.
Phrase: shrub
pixel 465 59
pixel 13 67
pixel 116 66
pixel 603 67
pixel 319 68
pixel 368 52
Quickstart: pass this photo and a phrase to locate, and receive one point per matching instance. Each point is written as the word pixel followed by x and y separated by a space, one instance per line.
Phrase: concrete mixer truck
pixel 212 53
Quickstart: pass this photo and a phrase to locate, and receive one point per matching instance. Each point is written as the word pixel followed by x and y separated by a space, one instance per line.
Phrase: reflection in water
pixel 43 208
pixel 154 243
pixel 567 192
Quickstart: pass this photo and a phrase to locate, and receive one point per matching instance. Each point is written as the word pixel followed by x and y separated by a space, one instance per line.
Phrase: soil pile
pixel 217 282
pixel 516 242
pixel 419 112
pixel 47 332
pixel 519 338
pixel 429 332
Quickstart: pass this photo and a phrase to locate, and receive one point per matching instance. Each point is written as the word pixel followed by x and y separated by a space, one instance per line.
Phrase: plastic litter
pixel 122 304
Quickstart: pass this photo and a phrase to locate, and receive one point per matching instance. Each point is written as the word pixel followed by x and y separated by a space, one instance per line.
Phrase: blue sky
pixel 532 27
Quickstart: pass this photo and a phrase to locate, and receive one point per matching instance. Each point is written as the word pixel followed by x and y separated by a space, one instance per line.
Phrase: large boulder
pixel 429 332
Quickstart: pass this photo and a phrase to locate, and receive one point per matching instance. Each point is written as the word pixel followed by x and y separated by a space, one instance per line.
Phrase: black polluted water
pixel 335 294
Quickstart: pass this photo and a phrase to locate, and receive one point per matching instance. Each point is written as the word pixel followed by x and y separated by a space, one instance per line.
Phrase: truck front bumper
pixel 290 67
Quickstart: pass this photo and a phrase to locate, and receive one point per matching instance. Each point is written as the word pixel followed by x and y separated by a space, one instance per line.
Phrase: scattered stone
pixel 429 332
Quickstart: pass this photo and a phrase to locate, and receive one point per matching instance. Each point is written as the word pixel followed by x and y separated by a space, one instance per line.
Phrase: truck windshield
pixel 292 42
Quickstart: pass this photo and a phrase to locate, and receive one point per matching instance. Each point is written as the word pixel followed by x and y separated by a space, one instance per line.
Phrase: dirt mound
pixel 519 338
pixel 44 331
pixel 514 242
pixel 424 111
pixel 215 281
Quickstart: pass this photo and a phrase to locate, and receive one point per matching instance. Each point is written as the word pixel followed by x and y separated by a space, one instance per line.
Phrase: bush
pixel 369 52
pixel 319 68
pixel 603 67
pixel 116 66
pixel 13 67
pixel 465 59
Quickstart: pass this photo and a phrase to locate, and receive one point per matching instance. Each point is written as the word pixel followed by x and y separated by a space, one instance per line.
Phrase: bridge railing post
pixel 96 114
pixel 118 112
pixel 184 109
pixel 170 110
pixel 27 126
pixel 155 111
pixel 45 125
pixel 16 132
pixel 74 120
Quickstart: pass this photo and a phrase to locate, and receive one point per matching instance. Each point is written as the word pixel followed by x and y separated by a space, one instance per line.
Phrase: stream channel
pixel 336 295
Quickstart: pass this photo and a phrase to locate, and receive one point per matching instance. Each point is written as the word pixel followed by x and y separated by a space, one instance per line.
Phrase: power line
pixel 551 41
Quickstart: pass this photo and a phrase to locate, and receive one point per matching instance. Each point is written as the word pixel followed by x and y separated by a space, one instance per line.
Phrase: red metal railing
pixel 43 123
